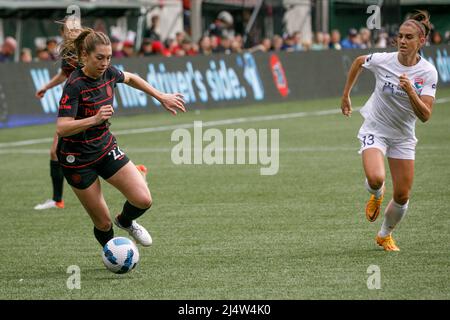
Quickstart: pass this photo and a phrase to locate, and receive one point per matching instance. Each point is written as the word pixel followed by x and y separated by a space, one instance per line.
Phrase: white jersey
pixel 388 112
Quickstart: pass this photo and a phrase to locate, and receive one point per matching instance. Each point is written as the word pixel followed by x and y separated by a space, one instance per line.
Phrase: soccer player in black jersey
pixel 86 147
pixel 71 28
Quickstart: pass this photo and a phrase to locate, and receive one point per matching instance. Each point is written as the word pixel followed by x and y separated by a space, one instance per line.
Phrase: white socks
pixel 392 216
pixel 377 193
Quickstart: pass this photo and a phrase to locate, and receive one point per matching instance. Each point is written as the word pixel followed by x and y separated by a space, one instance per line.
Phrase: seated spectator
pixel 7 50
pixel 224 45
pixel 289 44
pixel 128 48
pixel 159 49
pixel 176 45
pixel 335 41
pixel 351 42
pixel 214 42
pixel 266 44
pixel 146 48
pixel 52 48
pixel 171 45
pixel 297 36
pixel 236 46
pixel 365 36
pixel 307 44
pixel 318 41
pixel 43 55
pixel 239 39
pixel 382 40
pixel 326 40
pixel 187 47
pixel 25 55
pixel 205 45
pixel 116 48
pixel 277 43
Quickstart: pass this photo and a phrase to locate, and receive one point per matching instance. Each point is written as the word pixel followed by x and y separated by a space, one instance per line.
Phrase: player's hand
pixel 173 102
pixel 346 106
pixel 40 94
pixel 104 113
pixel 405 84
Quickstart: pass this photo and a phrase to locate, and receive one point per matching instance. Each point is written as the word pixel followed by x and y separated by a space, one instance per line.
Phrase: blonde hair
pixel 86 41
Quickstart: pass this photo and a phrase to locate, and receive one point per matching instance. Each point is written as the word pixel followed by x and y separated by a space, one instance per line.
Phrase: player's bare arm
pixel 67 126
pixel 57 79
pixel 172 102
pixel 353 74
pixel 422 105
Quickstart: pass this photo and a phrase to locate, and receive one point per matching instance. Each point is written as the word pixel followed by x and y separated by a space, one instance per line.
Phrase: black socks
pixel 129 213
pixel 57 180
pixel 103 236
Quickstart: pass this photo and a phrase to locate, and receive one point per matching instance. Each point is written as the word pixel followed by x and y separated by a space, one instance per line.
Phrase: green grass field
pixel 226 232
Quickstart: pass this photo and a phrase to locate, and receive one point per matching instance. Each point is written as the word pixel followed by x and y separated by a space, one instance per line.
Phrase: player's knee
pixel 401 197
pixel 103 225
pixel 375 181
pixel 144 201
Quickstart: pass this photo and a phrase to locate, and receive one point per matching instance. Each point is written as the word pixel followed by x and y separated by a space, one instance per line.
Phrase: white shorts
pixel 391 148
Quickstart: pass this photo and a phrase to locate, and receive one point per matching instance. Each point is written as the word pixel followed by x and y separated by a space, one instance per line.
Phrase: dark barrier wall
pixel 205 81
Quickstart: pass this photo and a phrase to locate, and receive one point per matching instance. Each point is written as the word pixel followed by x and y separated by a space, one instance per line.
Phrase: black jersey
pixel 82 97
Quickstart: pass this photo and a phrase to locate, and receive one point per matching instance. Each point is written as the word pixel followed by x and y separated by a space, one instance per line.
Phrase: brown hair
pixel 421 19
pixel 86 41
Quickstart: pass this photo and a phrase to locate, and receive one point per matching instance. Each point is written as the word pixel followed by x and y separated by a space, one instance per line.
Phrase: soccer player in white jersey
pixel 405 90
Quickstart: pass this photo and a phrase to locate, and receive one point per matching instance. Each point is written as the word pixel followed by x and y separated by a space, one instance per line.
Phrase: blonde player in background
pixel 405 90
pixel 70 29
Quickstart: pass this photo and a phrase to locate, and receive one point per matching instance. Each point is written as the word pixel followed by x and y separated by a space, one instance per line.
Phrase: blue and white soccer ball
pixel 120 255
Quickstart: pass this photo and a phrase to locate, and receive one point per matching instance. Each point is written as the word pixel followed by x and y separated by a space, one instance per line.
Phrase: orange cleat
pixel 49 204
pixel 373 207
pixel 387 243
pixel 143 170
pixel 60 204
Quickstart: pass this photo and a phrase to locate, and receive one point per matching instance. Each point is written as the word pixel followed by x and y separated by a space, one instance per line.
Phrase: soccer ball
pixel 120 255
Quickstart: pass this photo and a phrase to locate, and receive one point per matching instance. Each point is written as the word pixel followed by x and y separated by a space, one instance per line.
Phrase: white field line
pixel 168 150
pixel 189 126
pixel 213 123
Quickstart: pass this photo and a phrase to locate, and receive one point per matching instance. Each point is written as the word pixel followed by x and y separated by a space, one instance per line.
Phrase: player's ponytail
pixel 421 19
pixel 86 41
pixel 69 47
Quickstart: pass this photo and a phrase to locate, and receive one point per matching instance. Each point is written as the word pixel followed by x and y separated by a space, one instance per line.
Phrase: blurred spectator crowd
pixel 220 37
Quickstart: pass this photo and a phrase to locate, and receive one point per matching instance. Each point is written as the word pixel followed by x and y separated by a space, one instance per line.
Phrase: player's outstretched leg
pixel 128 180
pixel 126 221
